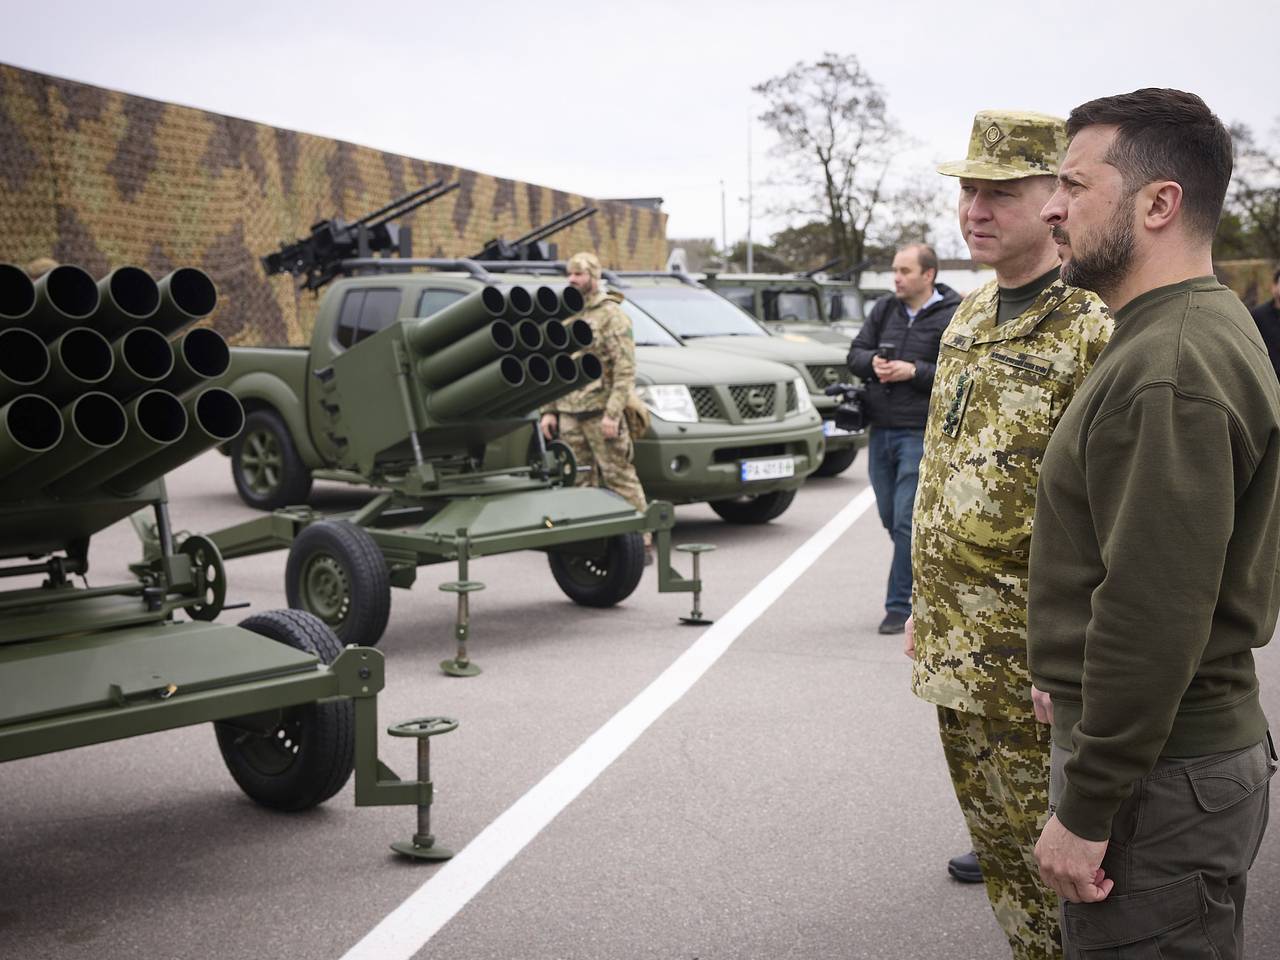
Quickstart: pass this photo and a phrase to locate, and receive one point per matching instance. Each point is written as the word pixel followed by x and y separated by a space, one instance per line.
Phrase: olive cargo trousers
pixel 1180 851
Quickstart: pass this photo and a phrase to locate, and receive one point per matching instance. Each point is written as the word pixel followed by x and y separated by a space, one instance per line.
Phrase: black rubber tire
pixel 310 753
pixel 340 560
pixel 601 581
pixel 836 462
pixel 758 509
pixel 290 480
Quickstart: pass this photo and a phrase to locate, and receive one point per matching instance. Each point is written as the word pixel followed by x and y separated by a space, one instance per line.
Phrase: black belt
pixel 583 414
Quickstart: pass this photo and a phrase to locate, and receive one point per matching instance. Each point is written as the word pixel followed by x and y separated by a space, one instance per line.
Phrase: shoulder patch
pixel 959 341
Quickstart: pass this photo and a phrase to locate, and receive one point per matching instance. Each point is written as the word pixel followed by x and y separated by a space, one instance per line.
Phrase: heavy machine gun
pixel 318 257
pixel 532 246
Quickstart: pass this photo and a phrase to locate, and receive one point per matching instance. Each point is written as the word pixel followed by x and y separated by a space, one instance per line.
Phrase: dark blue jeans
pixel 894 466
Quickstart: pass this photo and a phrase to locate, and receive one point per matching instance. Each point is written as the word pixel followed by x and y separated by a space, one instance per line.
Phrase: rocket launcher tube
pixel 214 416
pixel 156 419
pixel 126 297
pixel 555 337
pixel 455 321
pixel 467 354
pixel 580 334
pixel 143 359
pixel 571 302
pixel 546 303
pixel 186 295
pixel 457 400
pixel 590 369
pixel 24 362
pixel 79 360
pixel 198 355
pixel 17 294
pixel 66 297
pixel 564 373
pixel 529 337
pixel 30 425
pixel 94 422
pixel 519 301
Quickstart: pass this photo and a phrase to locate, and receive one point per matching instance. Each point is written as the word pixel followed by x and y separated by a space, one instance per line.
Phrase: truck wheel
pixel 265 465
pixel 297 757
pixel 336 572
pixel 760 508
pixel 604 579
pixel 837 461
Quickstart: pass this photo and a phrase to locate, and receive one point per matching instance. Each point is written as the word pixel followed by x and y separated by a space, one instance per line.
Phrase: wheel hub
pixel 326 590
pixel 261 461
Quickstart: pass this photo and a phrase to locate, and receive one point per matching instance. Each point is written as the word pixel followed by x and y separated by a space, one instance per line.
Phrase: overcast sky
pixel 642 98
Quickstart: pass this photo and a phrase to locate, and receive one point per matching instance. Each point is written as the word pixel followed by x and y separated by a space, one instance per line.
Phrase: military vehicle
pixel 712 325
pixel 792 305
pixel 104 387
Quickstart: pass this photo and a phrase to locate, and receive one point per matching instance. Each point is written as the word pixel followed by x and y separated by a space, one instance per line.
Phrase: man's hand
pixel 1043 705
pixel 549 421
pixel 892 371
pixel 1071 865
pixel 609 427
pixel 909 638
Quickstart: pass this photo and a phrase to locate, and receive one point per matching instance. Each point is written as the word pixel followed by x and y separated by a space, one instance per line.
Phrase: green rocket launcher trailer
pixel 431 410
pixel 104 387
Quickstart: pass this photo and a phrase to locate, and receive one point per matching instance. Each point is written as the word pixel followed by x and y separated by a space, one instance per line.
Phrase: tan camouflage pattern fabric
pixel 998 392
pixel 609 460
pixel 103 179
pixel 1010 144
pixel 615 345
pixel 1000 771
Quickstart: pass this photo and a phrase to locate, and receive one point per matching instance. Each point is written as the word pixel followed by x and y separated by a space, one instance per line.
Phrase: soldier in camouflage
pixel 1012 357
pixel 591 420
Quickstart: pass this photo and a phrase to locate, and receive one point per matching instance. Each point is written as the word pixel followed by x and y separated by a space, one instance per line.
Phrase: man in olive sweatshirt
pixel 1155 565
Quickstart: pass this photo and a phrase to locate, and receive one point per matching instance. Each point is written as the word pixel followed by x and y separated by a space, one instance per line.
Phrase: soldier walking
pixel 1010 361
pixel 591 420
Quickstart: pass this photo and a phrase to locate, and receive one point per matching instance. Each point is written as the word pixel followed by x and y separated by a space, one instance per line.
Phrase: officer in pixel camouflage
pixel 591 420
pixel 1013 355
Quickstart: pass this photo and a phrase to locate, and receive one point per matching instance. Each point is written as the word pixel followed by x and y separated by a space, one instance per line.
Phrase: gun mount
pixel 318 257
pixel 532 246
pixel 103 389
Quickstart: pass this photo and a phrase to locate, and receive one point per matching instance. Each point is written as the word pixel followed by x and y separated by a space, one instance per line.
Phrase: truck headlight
pixel 803 402
pixel 669 401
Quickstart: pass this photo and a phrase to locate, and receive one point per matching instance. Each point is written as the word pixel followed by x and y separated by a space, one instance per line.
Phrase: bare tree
pixel 833 128
pixel 1254 196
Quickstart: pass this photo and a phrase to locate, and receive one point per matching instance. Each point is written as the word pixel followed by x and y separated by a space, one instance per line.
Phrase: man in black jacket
pixel 895 354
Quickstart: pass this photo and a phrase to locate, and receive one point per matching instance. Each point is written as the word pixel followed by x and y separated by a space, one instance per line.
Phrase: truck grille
pixel 825 374
pixel 792 400
pixel 756 401
pixel 704 401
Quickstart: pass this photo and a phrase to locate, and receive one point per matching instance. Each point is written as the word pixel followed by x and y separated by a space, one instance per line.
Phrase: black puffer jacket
pixel 904 404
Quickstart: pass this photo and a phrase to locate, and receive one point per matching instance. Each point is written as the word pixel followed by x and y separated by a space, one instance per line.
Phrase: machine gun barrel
pixel 829 265
pixel 555 226
pixel 390 208
pixel 421 201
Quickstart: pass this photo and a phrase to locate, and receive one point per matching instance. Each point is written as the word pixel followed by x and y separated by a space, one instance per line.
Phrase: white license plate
pixel 829 429
pixel 768 469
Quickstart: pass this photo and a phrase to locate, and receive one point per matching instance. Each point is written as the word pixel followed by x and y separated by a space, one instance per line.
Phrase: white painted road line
pixel 406 930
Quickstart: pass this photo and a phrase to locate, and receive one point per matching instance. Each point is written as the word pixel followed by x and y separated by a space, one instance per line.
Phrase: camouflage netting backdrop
pixel 103 179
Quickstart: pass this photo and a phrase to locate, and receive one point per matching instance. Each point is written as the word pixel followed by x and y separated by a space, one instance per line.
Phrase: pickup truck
pixel 738 432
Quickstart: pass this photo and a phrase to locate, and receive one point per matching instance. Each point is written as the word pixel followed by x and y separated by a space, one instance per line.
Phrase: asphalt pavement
pixel 792 803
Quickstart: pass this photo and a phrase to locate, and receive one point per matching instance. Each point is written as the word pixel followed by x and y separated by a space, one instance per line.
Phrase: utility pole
pixel 724 233
pixel 750 190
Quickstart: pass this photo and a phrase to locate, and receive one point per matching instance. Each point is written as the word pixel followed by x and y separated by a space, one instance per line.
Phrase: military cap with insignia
pixel 1011 144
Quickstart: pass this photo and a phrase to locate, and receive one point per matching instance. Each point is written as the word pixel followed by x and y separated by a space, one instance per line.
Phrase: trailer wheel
pixel 760 508
pixel 604 579
pixel 836 462
pixel 265 465
pixel 297 757
pixel 336 572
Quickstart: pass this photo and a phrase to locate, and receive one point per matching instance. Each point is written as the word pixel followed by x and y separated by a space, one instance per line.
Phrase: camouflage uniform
pixel 580 412
pixel 998 392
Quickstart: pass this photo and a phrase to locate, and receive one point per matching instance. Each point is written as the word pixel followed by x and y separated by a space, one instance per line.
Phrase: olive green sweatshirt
pixel 1155 556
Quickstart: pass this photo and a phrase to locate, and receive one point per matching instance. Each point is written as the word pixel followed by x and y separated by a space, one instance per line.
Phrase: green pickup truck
pixel 738 432
pixel 830 312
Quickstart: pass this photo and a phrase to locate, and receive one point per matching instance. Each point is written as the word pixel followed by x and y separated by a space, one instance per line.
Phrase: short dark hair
pixel 926 255
pixel 1166 135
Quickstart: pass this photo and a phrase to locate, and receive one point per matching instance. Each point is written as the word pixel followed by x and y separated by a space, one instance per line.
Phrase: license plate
pixel 829 429
pixel 768 469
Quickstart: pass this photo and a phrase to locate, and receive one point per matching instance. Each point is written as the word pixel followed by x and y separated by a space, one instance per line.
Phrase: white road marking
pixel 406 930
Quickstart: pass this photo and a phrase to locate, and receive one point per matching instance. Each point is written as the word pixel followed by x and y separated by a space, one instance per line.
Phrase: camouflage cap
pixel 585 262
pixel 1011 144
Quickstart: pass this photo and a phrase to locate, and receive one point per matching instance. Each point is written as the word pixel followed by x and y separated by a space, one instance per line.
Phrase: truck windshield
pixel 791 305
pixel 694 312
pixel 647 331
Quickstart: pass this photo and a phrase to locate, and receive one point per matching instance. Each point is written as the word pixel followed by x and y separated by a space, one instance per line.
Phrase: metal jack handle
pixel 423 845
pixel 461 665
pixel 695 617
